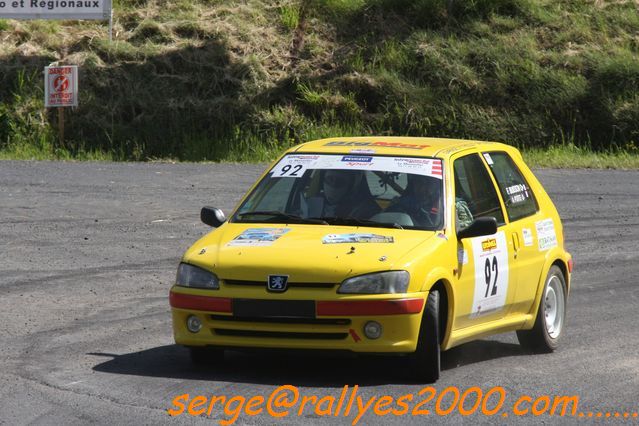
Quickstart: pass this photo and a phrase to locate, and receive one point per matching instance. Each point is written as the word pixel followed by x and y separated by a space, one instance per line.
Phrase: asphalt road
pixel 88 252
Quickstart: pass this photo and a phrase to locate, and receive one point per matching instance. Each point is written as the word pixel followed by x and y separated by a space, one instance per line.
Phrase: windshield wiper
pixel 359 222
pixel 283 216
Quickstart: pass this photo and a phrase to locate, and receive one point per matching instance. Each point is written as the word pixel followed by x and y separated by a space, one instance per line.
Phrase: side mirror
pixel 212 216
pixel 480 226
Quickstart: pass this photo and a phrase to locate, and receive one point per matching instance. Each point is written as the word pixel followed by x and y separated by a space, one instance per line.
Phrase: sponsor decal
pixel 378 144
pixel 356 238
pixel 514 189
pixel 491 274
pixel 431 166
pixel 517 198
pixel 489 244
pixel 527 234
pixel 546 236
pixel 528 238
pixel 517 193
pixel 456 148
pixel 488 158
pixel 357 159
pixel 436 169
pixel 258 237
pixel 295 166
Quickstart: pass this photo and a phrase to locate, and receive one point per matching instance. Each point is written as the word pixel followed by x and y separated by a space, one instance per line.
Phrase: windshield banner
pixel 295 165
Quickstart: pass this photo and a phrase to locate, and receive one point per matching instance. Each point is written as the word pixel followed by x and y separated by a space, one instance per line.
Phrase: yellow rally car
pixel 379 245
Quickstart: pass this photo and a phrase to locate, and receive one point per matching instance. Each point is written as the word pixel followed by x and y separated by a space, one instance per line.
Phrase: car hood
pixel 306 253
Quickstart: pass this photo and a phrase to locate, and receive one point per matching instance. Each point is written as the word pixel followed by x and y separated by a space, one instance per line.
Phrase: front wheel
pixel 551 315
pixel 425 362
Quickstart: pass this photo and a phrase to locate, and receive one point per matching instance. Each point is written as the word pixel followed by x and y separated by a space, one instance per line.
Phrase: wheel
pixel 206 355
pixel 425 362
pixel 549 324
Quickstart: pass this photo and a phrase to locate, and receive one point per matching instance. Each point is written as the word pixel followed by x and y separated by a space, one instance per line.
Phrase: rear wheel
pixel 549 324
pixel 206 355
pixel 425 362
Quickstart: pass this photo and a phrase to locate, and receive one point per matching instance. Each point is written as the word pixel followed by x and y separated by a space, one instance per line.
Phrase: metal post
pixel 111 24
pixel 61 126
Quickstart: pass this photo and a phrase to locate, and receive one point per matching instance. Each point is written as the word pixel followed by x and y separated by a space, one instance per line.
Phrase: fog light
pixel 373 330
pixel 194 324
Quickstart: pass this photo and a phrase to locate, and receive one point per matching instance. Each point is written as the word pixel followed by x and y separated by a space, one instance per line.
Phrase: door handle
pixel 516 243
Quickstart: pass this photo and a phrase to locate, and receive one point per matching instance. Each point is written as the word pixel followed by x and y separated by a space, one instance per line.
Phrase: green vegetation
pixel 226 80
pixel 571 156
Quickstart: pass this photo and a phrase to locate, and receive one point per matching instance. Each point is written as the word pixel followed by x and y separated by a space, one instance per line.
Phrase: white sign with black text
pixel 55 9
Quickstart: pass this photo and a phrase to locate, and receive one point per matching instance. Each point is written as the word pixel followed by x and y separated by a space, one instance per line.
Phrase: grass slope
pixel 240 80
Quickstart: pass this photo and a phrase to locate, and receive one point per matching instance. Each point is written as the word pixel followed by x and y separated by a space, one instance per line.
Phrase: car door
pixel 521 209
pixel 486 269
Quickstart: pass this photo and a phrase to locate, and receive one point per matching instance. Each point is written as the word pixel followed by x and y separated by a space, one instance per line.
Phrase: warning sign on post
pixel 61 86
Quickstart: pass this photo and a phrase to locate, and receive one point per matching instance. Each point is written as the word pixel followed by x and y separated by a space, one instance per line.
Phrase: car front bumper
pixel 336 324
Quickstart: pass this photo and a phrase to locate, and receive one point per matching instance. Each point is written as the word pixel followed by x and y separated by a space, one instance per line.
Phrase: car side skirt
pixel 503 325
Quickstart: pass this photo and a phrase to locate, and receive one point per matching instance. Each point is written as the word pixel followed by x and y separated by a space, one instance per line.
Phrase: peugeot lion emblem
pixel 277 283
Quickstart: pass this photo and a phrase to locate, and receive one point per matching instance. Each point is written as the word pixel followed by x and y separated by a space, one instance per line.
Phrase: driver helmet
pixel 338 184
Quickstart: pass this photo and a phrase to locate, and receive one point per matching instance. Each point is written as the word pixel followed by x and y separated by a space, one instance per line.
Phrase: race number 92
pixel 491 272
pixel 490 256
pixel 289 170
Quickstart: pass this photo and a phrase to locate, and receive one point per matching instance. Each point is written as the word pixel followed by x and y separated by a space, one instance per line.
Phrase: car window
pixel 386 185
pixel 341 189
pixel 274 195
pixel 518 198
pixel 475 194
pixel 386 188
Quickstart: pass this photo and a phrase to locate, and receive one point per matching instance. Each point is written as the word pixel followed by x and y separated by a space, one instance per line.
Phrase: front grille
pixel 284 320
pixel 289 285
pixel 280 334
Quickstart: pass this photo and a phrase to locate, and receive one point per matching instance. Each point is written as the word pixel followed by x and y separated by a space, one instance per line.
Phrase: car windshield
pixel 357 190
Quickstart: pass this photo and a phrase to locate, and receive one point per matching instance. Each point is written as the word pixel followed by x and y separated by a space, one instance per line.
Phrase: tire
pixel 206 355
pixel 425 362
pixel 551 316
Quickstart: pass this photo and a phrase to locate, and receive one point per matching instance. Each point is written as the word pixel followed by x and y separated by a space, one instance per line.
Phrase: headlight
pixel 378 283
pixel 192 276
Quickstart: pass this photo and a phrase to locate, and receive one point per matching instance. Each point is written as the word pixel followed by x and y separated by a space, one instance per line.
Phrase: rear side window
pixel 519 199
pixel 475 194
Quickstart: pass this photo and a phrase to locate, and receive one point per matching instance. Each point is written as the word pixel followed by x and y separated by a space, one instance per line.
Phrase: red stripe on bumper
pixel 370 307
pixel 200 303
pixel 570 265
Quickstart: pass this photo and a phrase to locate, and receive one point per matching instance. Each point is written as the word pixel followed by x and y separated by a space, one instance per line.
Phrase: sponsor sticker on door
pixel 546 235
pixel 490 255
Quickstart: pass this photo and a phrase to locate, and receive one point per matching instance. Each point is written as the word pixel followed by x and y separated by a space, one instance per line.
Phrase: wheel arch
pixel 446 303
pixel 554 258
pixel 561 264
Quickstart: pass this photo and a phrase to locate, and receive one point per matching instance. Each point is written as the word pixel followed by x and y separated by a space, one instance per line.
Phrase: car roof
pixel 394 145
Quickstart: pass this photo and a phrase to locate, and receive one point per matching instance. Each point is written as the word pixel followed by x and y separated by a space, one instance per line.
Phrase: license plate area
pixel 256 308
